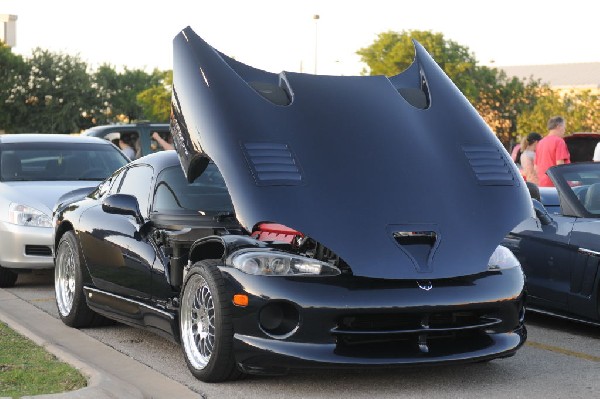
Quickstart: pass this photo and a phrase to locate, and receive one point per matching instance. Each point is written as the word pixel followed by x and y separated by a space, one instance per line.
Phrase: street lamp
pixel 316 18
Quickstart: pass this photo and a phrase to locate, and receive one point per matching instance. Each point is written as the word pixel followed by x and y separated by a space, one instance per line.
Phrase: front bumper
pixel 23 247
pixel 360 322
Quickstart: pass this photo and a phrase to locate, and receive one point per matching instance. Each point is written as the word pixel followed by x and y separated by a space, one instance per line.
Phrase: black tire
pixel 68 285
pixel 205 296
pixel 8 278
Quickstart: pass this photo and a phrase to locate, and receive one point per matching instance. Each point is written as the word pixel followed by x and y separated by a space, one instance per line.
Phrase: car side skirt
pixel 570 317
pixel 133 313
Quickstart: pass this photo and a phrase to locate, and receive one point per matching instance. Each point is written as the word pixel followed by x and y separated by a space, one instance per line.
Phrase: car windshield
pixel 58 161
pixel 206 195
pixel 584 181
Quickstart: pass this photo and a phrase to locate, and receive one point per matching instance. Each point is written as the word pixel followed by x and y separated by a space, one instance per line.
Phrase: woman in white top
pixel 527 158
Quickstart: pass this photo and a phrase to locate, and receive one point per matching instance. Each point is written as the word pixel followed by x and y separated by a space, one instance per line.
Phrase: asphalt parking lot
pixel 560 359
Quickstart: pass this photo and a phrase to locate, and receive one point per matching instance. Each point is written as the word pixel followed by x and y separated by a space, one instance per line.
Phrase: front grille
pixel 416 333
pixel 38 250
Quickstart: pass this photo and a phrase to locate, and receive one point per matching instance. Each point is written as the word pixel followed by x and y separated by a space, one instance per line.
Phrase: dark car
pixel 559 249
pixel 306 239
pixel 138 135
pixel 582 145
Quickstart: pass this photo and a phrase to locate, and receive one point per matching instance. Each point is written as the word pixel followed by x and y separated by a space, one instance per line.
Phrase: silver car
pixel 35 171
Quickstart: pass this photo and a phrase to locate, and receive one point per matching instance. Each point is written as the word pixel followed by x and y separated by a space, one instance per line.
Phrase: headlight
pixel 26 216
pixel 502 258
pixel 273 263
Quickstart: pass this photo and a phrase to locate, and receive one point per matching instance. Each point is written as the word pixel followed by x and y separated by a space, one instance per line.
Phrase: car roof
pixel 123 127
pixel 582 134
pixel 48 138
pixel 581 145
pixel 159 160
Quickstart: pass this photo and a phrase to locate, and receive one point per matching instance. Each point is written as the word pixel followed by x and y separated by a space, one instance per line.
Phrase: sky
pixel 284 34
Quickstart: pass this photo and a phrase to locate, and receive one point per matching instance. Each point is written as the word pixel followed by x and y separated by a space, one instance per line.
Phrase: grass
pixel 28 369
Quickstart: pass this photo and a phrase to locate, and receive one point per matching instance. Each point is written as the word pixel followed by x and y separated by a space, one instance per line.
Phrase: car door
pixel 584 270
pixel 546 257
pixel 118 255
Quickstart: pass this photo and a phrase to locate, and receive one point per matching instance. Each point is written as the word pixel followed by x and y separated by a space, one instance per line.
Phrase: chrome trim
pixel 486 322
pixel 170 315
pixel 588 252
pixel 561 316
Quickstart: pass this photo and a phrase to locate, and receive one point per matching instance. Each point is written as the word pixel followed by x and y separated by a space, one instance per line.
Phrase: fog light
pixel 279 319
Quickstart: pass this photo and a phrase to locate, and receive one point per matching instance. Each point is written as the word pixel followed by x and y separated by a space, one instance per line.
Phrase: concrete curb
pixel 98 362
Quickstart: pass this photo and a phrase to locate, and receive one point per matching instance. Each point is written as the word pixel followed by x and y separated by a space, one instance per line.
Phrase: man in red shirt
pixel 551 150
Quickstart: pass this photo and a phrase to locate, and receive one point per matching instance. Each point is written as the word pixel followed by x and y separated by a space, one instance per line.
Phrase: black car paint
pixel 559 251
pixel 431 303
pixel 133 275
pixel 354 141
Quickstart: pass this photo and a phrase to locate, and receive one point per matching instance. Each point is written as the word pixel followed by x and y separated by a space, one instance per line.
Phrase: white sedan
pixel 35 171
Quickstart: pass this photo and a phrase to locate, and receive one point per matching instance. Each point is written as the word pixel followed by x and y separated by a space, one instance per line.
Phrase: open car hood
pixel 399 176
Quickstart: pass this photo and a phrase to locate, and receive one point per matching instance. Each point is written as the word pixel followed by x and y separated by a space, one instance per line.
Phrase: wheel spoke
pixel 65 278
pixel 198 321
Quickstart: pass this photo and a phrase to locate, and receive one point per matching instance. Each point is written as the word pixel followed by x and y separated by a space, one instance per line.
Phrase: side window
pixel 116 181
pixel 108 185
pixel 138 182
pixel 128 142
pixel 160 139
pixel 207 194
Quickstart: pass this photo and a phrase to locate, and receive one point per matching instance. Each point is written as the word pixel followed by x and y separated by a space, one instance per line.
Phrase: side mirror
pixel 541 212
pixel 534 191
pixel 123 204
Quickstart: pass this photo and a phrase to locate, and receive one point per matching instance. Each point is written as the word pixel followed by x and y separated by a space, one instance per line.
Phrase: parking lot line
pixel 41 299
pixel 563 351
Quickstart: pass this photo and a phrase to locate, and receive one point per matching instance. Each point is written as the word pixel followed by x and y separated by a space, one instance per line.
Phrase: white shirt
pixel 129 152
pixel 597 153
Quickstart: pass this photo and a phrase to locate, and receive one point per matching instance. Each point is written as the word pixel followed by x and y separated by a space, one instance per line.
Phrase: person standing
pixel 166 145
pixel 552 150
pixel 527 157
pixel 126 145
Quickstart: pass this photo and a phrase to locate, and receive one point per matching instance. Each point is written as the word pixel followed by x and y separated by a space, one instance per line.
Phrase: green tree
pixel 501 99
pixel 393 52
pixel 118 93
pixel 156 101
pixel 13 73
pixel 498 98
pixel 579 108
pixel 106 84
pixel 584 111
pixel 57 94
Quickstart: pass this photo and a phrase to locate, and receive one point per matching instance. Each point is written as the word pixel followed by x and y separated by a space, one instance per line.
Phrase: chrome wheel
pixel 64 278
pixel 197 322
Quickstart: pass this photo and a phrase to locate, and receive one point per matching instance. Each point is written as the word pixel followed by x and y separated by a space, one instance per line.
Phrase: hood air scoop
pixel 419 245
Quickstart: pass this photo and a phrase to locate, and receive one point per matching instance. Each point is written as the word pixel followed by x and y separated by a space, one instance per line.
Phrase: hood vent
pixel 272 164
pixel 490 166
pixel 419 246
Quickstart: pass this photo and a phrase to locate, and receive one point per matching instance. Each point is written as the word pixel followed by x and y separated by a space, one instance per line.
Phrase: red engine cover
pixel 275 232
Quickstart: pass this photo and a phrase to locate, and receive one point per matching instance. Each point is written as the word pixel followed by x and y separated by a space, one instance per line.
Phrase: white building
pixel 578 76
pixel 8 29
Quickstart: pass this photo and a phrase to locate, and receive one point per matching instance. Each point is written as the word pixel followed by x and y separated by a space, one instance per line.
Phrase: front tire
pixel 8 278
pixel 205 324
pixel 68 285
